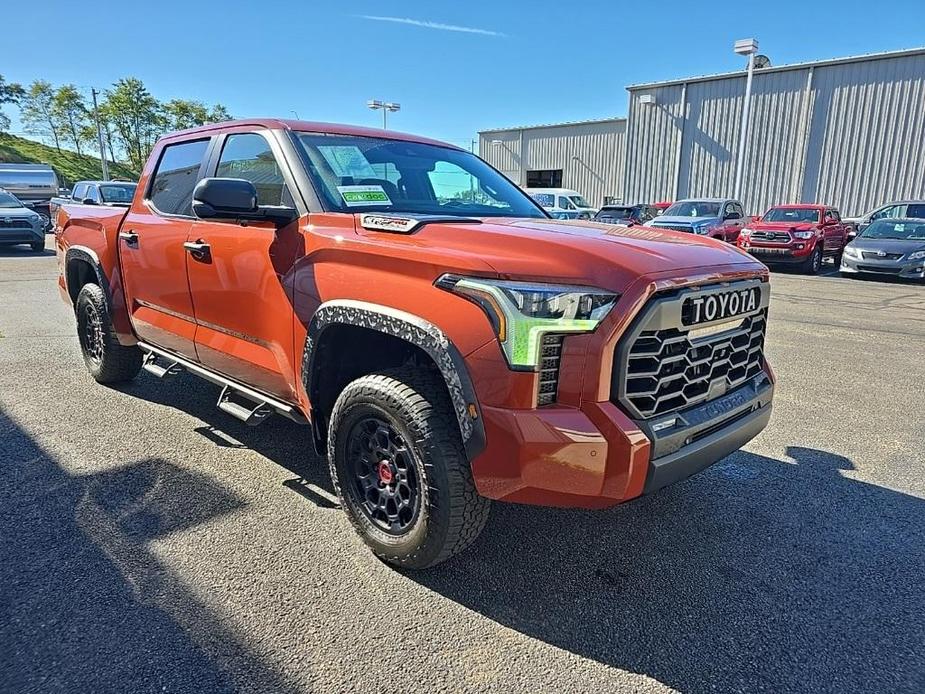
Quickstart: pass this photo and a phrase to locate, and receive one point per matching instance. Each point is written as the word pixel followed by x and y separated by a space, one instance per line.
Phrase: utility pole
pixel 99 135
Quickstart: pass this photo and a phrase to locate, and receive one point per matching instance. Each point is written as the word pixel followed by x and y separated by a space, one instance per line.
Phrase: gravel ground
pixel 148 542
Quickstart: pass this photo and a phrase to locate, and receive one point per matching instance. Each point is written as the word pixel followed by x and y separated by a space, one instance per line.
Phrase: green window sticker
pixel 358 196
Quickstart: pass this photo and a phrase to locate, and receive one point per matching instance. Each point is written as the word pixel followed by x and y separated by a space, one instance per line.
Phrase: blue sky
pixel 455 68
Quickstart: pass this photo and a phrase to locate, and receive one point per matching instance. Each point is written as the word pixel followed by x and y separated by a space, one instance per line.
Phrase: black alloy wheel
pixel 385 483
pixel 91 334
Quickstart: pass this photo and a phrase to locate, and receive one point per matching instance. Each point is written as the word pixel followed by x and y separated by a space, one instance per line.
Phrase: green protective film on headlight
pixel 524 335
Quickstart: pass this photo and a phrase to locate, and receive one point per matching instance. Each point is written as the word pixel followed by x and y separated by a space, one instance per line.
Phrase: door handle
pixel 130 238
pixel 198 249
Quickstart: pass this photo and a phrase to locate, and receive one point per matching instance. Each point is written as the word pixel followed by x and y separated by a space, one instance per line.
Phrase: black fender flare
pixel 88 256
pixel 416 331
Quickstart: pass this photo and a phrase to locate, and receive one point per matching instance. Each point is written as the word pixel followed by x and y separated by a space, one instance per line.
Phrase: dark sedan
pixel 894 247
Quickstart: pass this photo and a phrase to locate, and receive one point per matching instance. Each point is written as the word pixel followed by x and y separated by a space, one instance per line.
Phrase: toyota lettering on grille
pixel 711 307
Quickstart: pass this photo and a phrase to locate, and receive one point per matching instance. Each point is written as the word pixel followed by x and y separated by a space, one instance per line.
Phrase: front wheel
pixel 400 469
pixel 107 360
pixel 37 247
pixel 814 263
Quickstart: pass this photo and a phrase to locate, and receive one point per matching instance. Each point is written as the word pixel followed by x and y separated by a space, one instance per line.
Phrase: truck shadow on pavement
pixel 84 604
pixel 783 574
pixel 757 574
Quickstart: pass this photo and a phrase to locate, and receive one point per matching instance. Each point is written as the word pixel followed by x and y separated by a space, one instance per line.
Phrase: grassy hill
pixel 68 165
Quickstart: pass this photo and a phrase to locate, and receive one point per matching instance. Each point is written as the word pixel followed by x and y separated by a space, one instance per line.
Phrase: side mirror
pixel 88 201
pixel 730 215
pixel 234 198
pixel 28 203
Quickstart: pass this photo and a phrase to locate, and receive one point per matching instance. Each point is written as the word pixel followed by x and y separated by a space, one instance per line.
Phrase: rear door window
pixel 175 177
pixel 79 192
pixel 916 211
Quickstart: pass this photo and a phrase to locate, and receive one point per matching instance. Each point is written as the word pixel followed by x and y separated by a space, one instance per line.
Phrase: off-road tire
pixel 108 361
pixel 37 247
pixel 451 513
pixel 811 266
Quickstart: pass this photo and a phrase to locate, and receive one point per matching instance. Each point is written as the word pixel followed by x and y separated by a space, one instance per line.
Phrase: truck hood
pixel 684 220
pixel 588 253
pixel 782 226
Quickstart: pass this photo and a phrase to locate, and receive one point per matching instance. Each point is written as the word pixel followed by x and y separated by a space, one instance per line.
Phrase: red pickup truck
pixel 446 341
pixel 801 235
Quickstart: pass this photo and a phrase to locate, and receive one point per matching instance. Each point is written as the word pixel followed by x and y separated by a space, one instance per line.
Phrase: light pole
pixel 385 107
pixel 747 47
pixel 99 135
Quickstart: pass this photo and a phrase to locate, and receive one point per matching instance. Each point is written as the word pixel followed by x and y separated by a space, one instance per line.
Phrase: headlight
pixel 745 232
pixel 917 255
pixel 803 234
pixel 852 251
pixel 522 312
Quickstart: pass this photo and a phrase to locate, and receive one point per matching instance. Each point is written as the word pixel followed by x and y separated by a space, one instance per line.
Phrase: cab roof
pixel 306 126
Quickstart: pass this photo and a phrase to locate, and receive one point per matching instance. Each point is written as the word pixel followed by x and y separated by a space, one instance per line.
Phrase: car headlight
pixel 852 251
pixel 803 234
pixel 522 312
pixel 745 232
pixel 916 255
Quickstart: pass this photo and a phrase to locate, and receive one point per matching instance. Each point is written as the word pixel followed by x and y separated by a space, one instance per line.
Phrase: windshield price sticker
pixel 358 196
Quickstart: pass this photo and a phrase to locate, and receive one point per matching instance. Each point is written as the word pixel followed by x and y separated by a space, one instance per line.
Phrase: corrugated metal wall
pixel 591 155
pixel 849 134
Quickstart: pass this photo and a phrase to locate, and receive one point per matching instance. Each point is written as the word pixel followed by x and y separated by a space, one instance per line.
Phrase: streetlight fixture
pixel 385 107
pixel 747 47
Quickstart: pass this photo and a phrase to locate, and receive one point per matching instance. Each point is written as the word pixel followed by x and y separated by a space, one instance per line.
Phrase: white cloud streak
pixel 432 25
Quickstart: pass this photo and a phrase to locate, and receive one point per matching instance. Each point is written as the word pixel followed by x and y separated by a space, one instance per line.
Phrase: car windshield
pixel 693 208
pixel 615 213
pixel 578 201
pixel 791 214
pixel 118 193
pixel 8 201
pixel 889 229
pixel 370 174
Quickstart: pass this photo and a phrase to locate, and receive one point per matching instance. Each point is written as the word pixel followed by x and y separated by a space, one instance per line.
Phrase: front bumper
pixel 770 254
pixel 910 269
pixel 596 456
pixel 14 235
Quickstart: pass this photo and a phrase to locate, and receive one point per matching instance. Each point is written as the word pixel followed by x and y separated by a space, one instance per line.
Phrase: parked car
pixel 803 235
pixel 32 184
pixel 20 224
pixel 411 328
pixel 562 203
pixel 625 214
pixel 894 247
pixel 718 218
pixel 110 193
pixel 904 209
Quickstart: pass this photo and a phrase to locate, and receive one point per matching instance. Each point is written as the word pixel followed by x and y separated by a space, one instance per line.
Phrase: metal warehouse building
pixel 848 132
pixel 587 156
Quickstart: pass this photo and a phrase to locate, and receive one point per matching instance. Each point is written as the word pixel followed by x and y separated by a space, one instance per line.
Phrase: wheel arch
pixel 372 336
pixel 82 266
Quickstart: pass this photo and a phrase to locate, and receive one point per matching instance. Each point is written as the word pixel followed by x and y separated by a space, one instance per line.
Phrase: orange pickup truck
pixel 447 342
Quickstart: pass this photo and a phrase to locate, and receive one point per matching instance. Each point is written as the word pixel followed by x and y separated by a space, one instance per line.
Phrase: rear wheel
pixel 399 467
pixel 107 360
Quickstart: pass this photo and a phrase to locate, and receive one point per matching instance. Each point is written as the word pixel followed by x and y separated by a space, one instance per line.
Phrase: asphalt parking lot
pixel 150 542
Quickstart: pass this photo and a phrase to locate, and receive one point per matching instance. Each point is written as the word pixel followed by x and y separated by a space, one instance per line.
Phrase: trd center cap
pixel 385 472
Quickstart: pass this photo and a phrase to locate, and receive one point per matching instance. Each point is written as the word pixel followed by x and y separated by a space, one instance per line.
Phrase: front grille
pixel 15 224
pixel 870 255
pixel 879 268
pixel 550 355
pixel 675 227
pixel 661 368
pixel 773 236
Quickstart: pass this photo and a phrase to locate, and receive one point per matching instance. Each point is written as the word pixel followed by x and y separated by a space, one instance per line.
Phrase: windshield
pixel 790 214
pixel 888 229
pixel 693 208
pixel 8 201
pixel 118 193
pixel 369 174
pixel 578 201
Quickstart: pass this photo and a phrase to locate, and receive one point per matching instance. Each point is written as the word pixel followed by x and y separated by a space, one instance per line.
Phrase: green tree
pixel 10 93
pixel 183 113
pixel 136 117
pixel 69 110
pixel 37 105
